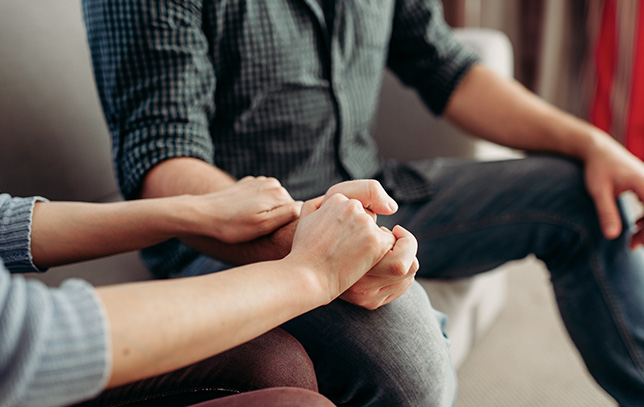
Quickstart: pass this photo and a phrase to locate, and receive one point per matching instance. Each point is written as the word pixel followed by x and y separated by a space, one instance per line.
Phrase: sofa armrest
pixel 418 133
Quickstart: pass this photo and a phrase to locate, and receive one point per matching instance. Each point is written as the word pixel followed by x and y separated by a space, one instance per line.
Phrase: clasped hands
pixel 335 236
pixel 373 265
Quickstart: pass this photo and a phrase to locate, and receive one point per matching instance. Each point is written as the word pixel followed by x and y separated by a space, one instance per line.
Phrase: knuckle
pixel 294 210
pixel 376 188
pixel 272 181
pixel 354 206
pixel 335 199
pixel 372 239
pixel 332 190
pixel 397 268
pixel 281 191
pixel 415 266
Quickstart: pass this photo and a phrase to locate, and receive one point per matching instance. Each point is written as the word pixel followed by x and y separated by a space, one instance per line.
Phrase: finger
pixel 311 206
pixel 406 246
pixel 608 213
pixel 397 294
pixel 372 214
pixel 283 214
pixel 397 284
pixel 381 297
pixel 399 260
pixel 369 192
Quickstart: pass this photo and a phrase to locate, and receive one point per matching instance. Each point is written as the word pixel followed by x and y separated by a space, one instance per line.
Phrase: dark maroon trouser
pixel 272 370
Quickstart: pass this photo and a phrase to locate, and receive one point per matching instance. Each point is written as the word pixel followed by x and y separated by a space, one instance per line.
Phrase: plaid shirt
pixel 265 87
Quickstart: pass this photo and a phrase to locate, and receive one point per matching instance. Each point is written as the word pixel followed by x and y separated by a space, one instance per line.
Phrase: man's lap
pixel 469 225
pixel 483 214
pixel 395 355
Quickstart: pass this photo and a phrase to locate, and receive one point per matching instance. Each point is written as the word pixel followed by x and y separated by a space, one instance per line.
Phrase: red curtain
pixel 617 101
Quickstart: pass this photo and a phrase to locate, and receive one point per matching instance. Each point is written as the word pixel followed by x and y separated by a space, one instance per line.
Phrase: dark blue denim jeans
pixel 485 214
pixel 481 215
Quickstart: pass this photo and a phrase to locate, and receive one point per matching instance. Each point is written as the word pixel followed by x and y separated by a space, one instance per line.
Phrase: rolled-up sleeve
pixel 155 80
pixel 424 53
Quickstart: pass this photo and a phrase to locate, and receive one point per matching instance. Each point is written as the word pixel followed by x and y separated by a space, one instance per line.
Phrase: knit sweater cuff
pixel 15 233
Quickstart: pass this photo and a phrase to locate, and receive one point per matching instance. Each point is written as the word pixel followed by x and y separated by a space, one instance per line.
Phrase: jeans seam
pixel 618 319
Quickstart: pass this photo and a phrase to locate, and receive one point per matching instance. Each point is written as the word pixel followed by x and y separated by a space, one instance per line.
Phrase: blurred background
pixel 585 56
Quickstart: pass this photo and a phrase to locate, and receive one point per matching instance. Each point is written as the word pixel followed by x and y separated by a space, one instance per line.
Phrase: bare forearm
pixel 504 112
pixel 192 176
pixel 271 247
pixel 184 175
pixel 66 232
pixel 160 326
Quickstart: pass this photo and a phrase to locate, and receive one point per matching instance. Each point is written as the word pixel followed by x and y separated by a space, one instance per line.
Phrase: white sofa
pixel 55 143
pixel 471 304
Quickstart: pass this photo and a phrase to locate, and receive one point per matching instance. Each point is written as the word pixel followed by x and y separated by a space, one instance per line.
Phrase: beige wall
pixel 49 110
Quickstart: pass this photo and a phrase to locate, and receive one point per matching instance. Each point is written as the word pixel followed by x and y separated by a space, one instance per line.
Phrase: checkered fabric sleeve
pixel 155 81
pixel 424 53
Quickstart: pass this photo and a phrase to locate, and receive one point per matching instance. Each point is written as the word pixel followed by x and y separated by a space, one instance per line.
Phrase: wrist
pixel 598 142
pixel 183 216
pixel 585 140
pixel 311 283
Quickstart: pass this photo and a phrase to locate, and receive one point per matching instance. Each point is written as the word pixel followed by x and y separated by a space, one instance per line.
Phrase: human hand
pixel 390 278
pixel 369 192
pixel 610 170
pixel 338 242
pixel 250 208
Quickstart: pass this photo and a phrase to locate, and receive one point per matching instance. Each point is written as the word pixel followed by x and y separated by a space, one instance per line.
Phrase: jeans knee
pixel 565 214
pixel 414 363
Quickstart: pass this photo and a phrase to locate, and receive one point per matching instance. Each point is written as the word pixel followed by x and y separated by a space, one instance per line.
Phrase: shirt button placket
pixel 339 88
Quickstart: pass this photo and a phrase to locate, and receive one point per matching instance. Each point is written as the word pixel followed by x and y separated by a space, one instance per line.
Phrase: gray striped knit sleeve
pixel 54 346
pixel 15 233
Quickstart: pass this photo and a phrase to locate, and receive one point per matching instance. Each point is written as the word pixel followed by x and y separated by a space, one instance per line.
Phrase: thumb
pixel 311 206
pixel 369 192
